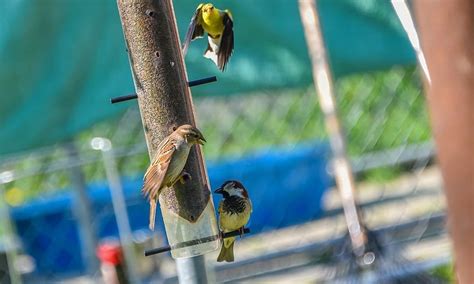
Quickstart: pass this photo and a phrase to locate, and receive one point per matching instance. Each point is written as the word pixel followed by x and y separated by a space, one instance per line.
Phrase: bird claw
pixel 184 177
pixel 241 231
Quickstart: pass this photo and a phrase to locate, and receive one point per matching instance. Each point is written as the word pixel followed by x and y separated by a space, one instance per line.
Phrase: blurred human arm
pixel 447 36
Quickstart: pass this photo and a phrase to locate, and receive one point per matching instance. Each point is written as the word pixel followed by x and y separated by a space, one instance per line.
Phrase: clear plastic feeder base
pixel 179 230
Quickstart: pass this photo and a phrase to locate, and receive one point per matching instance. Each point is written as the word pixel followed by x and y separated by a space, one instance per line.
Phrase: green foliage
pixel 383 110
pixel 445 273
pixel 382 174
pixel 379 111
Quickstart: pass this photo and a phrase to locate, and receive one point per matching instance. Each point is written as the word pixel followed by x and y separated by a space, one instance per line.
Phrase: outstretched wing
pixel 156 172
pixel 227 42
pixel 195 29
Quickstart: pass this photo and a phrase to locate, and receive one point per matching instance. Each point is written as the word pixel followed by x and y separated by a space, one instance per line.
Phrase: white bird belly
pixel 178 161
pixel 214 43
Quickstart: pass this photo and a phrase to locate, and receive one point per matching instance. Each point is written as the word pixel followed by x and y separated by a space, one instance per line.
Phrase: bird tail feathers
pixel 152 214
pixel 227 252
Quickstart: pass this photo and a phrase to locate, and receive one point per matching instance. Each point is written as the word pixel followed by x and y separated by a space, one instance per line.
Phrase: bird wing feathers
pixel 195 29
pixel 221 208
pixel 156 172
pixel 227 41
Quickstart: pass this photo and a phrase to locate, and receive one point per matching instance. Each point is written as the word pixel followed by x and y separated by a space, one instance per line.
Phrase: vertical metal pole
pixel 190 270
pixel 8 237
pixel 83 211
pixel 165 102
pixel 119 205
pixel 404 15
pixel 325 90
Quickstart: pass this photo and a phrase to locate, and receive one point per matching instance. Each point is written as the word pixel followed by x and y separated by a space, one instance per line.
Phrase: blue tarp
pixel 292 180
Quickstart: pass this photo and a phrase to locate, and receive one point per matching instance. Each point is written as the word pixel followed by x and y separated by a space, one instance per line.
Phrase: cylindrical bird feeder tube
pixel 165 103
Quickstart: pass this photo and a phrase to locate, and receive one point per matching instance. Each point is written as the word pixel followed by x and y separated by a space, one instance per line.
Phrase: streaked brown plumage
pixel 234 212
pixel 167 166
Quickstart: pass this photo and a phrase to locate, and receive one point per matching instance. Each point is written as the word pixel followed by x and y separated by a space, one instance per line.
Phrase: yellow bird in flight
pixel 219 28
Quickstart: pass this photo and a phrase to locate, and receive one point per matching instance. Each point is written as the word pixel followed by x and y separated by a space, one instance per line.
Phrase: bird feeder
pixel 165 103
pixel 189 217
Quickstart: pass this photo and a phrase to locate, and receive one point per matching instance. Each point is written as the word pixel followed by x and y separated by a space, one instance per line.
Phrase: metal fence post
pixel 8 232
pixel 82 209
pixel 119 205
pixel 325 90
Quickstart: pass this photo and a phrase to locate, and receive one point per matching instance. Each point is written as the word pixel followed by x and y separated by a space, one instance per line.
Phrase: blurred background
pixel 63 60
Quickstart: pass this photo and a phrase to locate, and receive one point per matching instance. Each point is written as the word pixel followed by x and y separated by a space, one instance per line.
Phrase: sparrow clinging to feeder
pixel 234 212
pixel 167 166
pixel 219 28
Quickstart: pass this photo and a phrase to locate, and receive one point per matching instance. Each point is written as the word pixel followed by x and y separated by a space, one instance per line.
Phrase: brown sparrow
pixel 234 212
pixel 167 166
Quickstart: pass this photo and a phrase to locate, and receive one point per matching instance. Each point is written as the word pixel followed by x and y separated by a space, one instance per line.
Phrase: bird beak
pixel 201 141
pixel 220 190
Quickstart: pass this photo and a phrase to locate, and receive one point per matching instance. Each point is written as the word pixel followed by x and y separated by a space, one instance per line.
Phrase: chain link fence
pixel 275 142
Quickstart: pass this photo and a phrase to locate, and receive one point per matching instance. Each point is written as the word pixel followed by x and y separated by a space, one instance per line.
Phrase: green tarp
pixel 61 60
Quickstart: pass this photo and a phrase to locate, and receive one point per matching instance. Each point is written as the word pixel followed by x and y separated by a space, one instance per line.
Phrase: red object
pixel 110 253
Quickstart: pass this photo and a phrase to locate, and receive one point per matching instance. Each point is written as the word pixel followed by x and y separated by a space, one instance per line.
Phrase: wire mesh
pixel 275 142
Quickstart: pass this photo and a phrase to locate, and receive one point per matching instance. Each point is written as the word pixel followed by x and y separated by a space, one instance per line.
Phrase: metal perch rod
pixel 190 84
pixel 202 81
pixel 195 242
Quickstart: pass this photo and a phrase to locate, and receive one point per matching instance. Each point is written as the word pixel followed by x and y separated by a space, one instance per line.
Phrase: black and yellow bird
pixel 234 213
pixel 219 28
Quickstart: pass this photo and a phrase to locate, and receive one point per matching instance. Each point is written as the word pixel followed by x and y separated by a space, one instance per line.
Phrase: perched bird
pixel 234 212
pixel 219 28
pixel 167 166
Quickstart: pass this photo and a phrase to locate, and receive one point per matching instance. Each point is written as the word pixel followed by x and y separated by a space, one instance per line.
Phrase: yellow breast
pixel 232 222
pixel 212 22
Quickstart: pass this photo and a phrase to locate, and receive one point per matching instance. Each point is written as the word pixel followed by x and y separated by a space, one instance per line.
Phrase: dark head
pixel 191 134
pixel 232 188
pixel 207 8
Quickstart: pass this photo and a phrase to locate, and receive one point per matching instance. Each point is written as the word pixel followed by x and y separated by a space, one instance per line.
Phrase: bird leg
pixel 241 231
pixel 184 177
